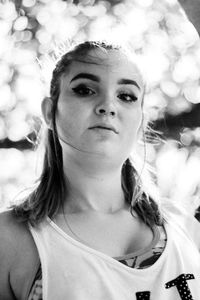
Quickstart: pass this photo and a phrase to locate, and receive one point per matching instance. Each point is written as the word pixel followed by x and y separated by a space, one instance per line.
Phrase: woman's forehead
pixel 113 62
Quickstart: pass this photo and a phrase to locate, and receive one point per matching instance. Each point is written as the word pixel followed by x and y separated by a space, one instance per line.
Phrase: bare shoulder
pixel 8 223
pixel 12 233
pixel 8 227
pixel 18 257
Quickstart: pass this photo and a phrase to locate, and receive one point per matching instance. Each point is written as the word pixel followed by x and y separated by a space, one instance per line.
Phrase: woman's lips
pixel 105 127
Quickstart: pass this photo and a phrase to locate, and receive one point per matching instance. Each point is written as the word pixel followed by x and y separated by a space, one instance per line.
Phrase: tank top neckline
pixel 156 237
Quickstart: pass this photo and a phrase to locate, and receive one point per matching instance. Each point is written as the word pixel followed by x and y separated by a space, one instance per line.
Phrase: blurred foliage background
pixel 169 50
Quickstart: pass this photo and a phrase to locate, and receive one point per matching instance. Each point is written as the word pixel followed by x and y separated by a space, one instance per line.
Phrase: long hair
pixel 50 193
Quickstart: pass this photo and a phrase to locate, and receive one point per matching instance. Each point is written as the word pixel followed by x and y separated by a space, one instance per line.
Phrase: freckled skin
pixel 76 114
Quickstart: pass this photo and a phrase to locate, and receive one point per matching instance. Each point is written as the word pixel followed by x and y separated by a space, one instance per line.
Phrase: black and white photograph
pixel 100 150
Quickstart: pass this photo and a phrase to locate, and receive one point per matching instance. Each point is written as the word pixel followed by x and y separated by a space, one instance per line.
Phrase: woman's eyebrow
pixel 97 79
pixel 86 76
pixel 128 81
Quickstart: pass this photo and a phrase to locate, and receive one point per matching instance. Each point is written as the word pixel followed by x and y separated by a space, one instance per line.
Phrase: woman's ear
pixel 46 107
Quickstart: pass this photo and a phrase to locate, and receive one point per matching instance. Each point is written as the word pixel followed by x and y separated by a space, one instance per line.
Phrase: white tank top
pixel 74 271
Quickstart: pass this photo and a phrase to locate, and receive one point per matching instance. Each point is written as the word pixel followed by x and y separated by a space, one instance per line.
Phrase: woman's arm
pixel 192 10
pixel 19 259
pixel 7 255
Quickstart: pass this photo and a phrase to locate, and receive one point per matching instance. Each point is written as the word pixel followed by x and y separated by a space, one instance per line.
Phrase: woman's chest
pixel 114 235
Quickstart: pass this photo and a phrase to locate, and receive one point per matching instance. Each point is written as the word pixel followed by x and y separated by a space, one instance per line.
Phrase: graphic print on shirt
pixel 180 283
pixel 143 295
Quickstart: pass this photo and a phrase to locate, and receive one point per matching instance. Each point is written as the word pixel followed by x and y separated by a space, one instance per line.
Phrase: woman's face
pixel 99 108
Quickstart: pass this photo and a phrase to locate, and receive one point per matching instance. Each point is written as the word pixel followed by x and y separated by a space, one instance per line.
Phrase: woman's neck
pixel 93 189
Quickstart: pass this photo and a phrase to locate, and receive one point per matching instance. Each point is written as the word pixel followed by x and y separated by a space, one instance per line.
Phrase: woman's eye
pixel 126 97
pixel 83 90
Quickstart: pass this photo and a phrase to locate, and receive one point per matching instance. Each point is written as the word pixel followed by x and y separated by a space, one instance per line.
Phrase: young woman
pixel 89 230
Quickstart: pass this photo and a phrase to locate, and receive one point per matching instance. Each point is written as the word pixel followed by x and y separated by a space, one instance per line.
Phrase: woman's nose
pixel 106 107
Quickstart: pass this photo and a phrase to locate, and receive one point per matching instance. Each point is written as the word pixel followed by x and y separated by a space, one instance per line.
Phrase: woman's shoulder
pixel 8 219
pixel 181 216
pixel 12 232
pixel 174 210
pixel 18 254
